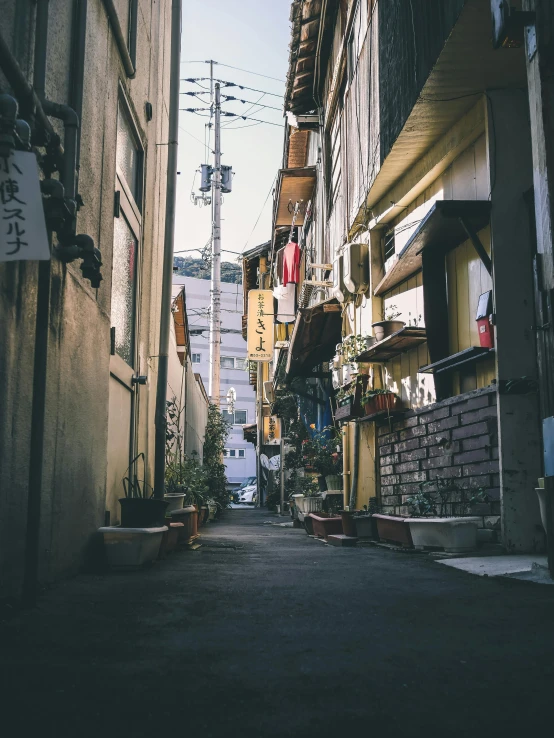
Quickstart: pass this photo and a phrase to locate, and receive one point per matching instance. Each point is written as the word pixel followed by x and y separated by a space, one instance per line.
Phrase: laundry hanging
pixel 285 296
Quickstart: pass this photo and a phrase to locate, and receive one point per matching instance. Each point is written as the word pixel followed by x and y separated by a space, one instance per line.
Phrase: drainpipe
pixel 355 469
pixel 120 39
pixel 345 465
pixel 167 277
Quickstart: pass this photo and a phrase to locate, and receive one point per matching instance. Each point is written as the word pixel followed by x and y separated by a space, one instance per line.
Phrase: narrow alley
pixel 264 631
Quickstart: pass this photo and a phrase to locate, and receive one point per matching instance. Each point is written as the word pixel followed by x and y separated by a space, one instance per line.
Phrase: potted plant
pixel 307 499
pixel 325 524
pixel 442 518
pixel 378 400
pixel 138 508
pixel 393 529
pixel 366 525
pixel 326 454
pixel 352 346
pixel 390 325
pixel 349 398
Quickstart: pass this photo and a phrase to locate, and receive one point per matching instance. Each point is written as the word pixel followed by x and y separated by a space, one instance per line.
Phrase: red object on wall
pixel 483 318
pixel 291 263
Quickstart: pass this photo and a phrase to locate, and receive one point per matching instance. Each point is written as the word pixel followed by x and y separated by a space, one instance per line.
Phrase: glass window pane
pixel 241 453
pixel 196 358
pixel 227 416
pixel 123 289
pixel 128 154
pixel 240 417
pixel 232 452
pixel 240 364
pixel 227 362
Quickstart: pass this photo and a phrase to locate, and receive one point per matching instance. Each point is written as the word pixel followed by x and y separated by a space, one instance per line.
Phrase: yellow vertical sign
pixel 272 430
pixel 260 330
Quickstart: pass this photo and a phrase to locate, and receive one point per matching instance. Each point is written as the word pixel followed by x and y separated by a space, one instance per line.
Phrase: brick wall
pixel 454 439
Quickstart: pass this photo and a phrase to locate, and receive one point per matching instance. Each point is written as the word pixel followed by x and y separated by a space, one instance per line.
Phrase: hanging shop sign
pixel 260 330
pixel 272 431
pixel 23 235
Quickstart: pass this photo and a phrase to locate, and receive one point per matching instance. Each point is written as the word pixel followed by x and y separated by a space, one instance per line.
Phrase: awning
pixel 294 185
pixel 317 332
pixel 250 432
pixel 442 229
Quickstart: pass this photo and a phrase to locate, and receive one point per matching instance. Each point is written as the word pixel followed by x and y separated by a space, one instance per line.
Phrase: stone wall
pixel 454 439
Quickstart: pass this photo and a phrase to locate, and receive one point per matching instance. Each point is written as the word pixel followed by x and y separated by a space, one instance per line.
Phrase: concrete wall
pixel 78 374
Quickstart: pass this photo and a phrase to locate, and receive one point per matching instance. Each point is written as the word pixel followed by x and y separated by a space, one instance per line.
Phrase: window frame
pixel 192 355
pixel 227 358
pixel 245 417
pixel 131 212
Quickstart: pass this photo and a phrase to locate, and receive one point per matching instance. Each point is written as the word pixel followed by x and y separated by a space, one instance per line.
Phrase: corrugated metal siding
pixel 412 34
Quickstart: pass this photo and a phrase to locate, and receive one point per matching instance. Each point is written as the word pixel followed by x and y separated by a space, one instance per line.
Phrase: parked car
pixel 248 482
pixel 248 495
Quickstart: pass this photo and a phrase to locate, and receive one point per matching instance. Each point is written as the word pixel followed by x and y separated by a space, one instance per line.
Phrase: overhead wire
pixel 239 69
pixel 260 213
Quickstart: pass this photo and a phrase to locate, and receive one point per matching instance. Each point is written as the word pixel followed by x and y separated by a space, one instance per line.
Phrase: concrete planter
pixel 170 538
pixel 366 527
pixel 454 535
pixel 324 527
pixel 308 504
pixel 175 501
pixel 333 481
pixel 130 548
pixel 394 530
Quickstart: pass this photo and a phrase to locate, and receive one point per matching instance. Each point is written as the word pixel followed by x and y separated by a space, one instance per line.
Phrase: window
pixel 230 453
pixel 241 453
pixel 227 362
pixel 228 417
pixel 123 289
pixel 196 358
pixel 127 237
pixel 240 364
pixel 129 156
pixel 357 36
pixel 240 417
pixel 335 158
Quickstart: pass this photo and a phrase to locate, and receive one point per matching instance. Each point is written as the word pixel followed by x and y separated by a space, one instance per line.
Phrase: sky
pixel 254 36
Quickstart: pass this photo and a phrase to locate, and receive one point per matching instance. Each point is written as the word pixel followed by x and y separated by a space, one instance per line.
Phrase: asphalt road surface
pixel 265 632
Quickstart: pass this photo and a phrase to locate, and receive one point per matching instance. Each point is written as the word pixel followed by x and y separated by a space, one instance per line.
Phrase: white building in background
pixel 240 456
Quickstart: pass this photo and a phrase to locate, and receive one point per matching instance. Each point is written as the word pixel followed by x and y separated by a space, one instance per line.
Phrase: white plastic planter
pixel 455 535
pixel 175 501
pixel 130 548
pixel 308 504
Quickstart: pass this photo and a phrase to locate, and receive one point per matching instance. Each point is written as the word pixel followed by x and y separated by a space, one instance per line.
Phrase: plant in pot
pixel 390 325
pixel 440 516
pixel 327 456
pixel 139 509
pixel 175 489
pixel 378 400
pixel 353 346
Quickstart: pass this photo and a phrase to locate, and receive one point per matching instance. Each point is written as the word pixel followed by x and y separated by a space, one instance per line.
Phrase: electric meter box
pixel 355 261
pixel 484 322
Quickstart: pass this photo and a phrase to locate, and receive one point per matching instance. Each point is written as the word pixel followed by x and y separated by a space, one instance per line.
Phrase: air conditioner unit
pixel 355 260
pixel 268 392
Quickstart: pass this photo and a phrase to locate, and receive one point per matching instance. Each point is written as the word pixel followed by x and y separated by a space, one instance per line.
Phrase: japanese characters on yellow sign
pixel 272 430
pixel 260 330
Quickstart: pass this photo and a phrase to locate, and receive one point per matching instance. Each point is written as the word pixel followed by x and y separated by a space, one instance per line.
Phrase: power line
pixel 248 71
pixel 231 98
pixel 260 213
pixel 190 134
pixel 226 113
pixel 197 80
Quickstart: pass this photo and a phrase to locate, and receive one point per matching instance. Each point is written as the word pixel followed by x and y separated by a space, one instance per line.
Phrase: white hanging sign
pixel 23 235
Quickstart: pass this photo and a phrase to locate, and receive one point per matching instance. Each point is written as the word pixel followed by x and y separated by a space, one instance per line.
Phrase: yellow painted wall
pixel 467 279
pixel 366 474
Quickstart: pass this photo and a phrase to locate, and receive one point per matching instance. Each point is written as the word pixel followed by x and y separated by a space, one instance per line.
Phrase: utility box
pixel 484 320
pixel 356 267
pixel 226 178
pixel 205 178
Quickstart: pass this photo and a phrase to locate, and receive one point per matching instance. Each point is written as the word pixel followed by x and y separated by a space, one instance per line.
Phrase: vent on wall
pixel 389 245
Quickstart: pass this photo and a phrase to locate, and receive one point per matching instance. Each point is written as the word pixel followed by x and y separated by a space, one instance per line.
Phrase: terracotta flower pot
pixel 326 526
pixel 384 328
pixel 394 530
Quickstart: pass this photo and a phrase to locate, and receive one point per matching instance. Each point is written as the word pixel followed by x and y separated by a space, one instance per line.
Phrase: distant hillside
pixel 189 267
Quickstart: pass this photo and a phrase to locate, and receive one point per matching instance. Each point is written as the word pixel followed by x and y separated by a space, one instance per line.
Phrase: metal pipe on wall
pixel 120 39
pixel 355 468
pixel 167 275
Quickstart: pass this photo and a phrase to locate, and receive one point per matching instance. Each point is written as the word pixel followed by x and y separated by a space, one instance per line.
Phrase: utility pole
pixel 215 314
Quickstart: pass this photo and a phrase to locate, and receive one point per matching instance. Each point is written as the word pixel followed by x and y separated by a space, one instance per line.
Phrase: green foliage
pixel 133 486
pixel 308 486
pixel 217 430
pixel 198 268
pixel 323 452
pixel 446 499
pixel 370 394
